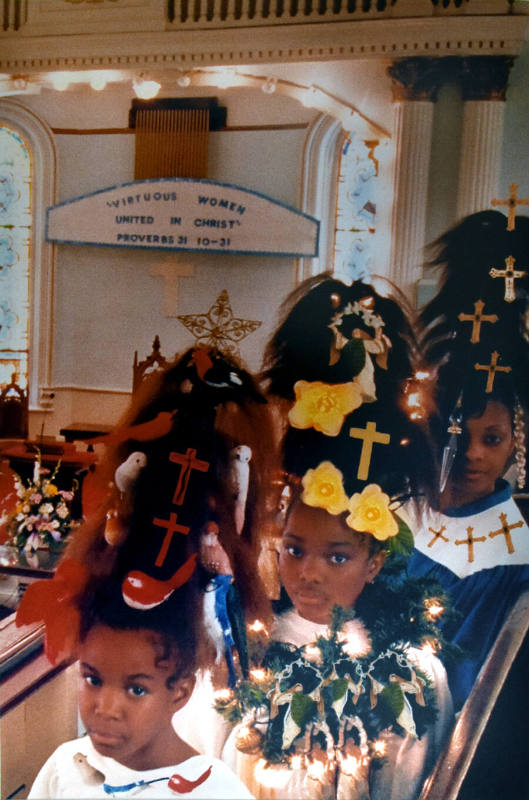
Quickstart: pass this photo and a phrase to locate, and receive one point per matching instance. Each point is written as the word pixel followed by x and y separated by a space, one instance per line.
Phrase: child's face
pixel 490 444
pixel 322 562
pixel 125 701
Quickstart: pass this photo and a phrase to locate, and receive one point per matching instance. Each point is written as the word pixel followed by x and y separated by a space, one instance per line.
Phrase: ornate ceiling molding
pixel 329 41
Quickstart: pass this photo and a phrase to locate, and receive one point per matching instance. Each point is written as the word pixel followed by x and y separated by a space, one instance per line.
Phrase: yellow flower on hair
pixel 50 490
pixel 323 406
pixel 323 488
pixel 369 512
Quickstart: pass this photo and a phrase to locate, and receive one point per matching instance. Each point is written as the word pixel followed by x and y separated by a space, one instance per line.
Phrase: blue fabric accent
pixel 222 585
pixel 502 493
pixel 483 600
pixel 126 787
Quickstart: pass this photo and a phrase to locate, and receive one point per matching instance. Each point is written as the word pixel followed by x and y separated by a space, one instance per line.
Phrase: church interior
pixel 368 127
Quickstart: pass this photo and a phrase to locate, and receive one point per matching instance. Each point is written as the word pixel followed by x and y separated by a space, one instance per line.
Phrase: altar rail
pixel 80 16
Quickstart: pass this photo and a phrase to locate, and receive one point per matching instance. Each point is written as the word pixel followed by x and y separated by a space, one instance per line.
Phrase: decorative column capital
pixel 416 78
pixel 485 77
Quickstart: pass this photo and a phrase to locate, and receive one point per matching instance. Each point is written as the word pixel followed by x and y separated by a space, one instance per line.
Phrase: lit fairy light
pixel 431 646
pixel 379 747
pixel 257 627
pixel 270 776
pixel 296 762
pixel 259 675
pixel 434 608
pixel 316 770
pixel 351 765
pixel 313 654
pixel 417 400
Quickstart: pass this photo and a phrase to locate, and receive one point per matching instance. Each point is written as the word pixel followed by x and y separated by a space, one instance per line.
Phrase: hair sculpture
pixel 475 330
pixel 176 474
pixel 346 355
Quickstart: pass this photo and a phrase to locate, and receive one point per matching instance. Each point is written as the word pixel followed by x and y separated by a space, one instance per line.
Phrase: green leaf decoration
pixel 339 688
pixel 401 544
pixel 352 357
pixel 392 695
pixel 302 709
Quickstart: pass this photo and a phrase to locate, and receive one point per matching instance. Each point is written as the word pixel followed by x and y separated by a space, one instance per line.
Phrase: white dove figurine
pixel 239 480
pixel 128 472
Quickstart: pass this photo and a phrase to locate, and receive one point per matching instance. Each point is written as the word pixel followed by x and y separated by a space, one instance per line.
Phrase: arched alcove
pixel 39 139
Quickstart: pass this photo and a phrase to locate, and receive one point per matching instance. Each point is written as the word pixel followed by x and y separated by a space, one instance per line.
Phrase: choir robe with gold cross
pixel 479 553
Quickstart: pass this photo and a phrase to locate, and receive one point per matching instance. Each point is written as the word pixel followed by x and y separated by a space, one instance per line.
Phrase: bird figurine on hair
pixel 239 481
pixel 222 603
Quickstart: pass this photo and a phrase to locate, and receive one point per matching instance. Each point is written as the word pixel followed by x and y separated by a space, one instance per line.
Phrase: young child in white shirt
pixel 136 670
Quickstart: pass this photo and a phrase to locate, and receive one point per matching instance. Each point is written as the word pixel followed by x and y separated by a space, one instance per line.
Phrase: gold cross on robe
pixel 437 535
pixel 506 530
pixel 477 318
pixel 469 541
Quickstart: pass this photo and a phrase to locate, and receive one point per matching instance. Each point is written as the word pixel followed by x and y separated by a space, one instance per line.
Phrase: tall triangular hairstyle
pixel 475 331
pixel 170 477
pixel 334 334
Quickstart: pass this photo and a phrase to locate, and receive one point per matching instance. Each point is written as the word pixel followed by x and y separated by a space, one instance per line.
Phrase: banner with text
pixel 184 214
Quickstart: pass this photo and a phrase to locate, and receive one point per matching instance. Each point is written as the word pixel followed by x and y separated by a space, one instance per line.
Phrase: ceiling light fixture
pixel 146 89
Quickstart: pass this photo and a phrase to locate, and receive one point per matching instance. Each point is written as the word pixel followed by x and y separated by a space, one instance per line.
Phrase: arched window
pixel 355 218
pixel 339 189
pixel 26 259
pixel 15 237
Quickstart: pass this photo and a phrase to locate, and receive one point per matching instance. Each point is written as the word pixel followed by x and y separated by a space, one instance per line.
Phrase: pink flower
pixel 35 498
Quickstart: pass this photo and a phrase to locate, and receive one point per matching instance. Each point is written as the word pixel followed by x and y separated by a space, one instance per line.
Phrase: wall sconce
pixel 269 86
pixel 184 79
pixel 60 80
pixel 145 89
pixel 98 81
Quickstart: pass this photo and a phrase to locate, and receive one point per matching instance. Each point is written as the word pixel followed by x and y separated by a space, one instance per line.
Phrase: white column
pixel 413 125
pixel 480 158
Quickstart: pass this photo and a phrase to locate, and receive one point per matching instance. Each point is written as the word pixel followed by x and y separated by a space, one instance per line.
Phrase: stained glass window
pixel 355 209
pixel 15 231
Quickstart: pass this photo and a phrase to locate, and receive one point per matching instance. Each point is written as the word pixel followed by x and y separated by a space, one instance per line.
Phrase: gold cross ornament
pixel 492 369
pixel 369 436
pixel 511 202
pixel 477 318
pixel 509 273
pixel 506 530
pixel 437 535
pixel 469 541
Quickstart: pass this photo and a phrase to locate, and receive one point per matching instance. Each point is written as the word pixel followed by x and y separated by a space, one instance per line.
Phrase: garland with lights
pixel 325 697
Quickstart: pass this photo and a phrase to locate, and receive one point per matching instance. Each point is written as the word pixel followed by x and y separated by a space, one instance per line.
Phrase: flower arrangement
pixel 42 515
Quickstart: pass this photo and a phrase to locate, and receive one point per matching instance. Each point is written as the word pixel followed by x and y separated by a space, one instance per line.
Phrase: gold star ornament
pixel 218 327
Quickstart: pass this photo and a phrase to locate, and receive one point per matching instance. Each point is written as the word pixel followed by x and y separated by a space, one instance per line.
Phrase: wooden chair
pixel 154 363
pixel 447 777
pixel 13 411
